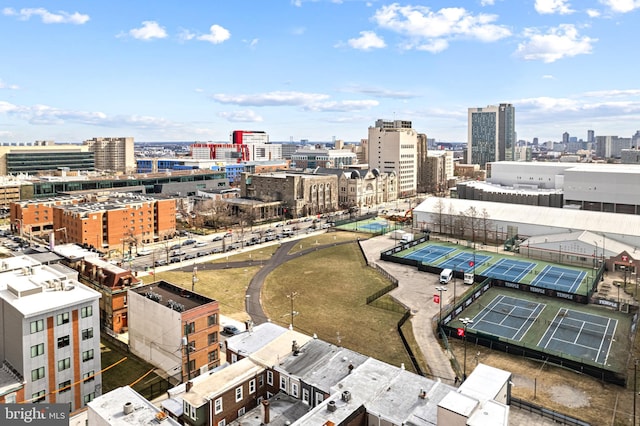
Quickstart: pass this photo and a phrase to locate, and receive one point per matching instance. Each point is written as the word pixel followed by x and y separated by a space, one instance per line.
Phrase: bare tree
pixel 486 224
pixel 470 221
pixel 439 217
pixel 451 214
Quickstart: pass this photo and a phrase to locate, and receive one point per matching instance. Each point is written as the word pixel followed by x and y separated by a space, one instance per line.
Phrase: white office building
pixel 393 147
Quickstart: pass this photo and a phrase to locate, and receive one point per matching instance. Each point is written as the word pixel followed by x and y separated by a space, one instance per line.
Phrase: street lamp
pixel 440 290
pixel 465 321
pixel 292 296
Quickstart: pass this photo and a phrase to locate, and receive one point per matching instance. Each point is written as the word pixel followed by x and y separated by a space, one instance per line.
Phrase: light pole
pixel 465 321
pixel 440 290
pixel 292 296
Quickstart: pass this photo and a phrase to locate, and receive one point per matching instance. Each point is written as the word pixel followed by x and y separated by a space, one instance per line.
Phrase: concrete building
pixel 491 134
pixel 46 156
pixel 482 191
pixel 115 155
pixel 240 137
pixel 630 156
pixel 363 188
pixel 310 158
pixel 611 146
pixel 393 147
pixel 176 330
pixel 298 194
pixel 51 334
pixel 439 171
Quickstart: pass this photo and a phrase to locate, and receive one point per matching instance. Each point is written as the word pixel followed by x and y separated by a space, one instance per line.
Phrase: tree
pixel 486 224
pixel 439 217
pixel 470 221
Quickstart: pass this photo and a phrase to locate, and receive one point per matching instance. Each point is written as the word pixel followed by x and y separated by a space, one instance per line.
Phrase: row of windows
pixel 64 341
pixel 61 319
pixel 190 328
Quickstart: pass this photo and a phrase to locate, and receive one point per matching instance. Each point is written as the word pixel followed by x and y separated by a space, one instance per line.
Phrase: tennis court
pixel 580 334
pixel 375 226
pixel 509 270
pixel 429 253
pixel 507 317
pixel 464 261
pixel 559 278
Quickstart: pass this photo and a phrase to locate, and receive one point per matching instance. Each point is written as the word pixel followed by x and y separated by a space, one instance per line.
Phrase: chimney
pixel 189 385
pixel 423 394
pixel 265 412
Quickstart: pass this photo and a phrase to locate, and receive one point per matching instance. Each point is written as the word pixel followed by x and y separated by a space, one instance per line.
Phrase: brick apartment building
pixel 174 329
pixel 121 221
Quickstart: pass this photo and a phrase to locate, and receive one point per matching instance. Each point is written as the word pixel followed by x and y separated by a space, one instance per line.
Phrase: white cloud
pixel 381 93
pixel 548 77
pixel 186 35
pixel 487 2
pixel 559 42
pixel 341 106
pixel 593 13
pixel 148 31
pixel 561 7
pixel 252 43
pixel 270 98
pixel 431 31
pixel 61 17
pixel 612 93
pixel 368 40
pixel 622 6
pixel 246 116
pixel 4 85
pixel 217 35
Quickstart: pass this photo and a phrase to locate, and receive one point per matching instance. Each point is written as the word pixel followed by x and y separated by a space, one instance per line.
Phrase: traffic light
pixel 460 332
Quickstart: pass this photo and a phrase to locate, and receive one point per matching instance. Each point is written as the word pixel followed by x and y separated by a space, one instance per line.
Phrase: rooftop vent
pixel 331 406
pixel 346 396
pixel 127 408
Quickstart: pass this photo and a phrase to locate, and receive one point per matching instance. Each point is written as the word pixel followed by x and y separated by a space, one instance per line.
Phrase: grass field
pixel 331 287
pixel 227 286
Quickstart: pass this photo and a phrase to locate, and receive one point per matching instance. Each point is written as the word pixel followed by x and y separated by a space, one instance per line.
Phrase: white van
pixel 445 276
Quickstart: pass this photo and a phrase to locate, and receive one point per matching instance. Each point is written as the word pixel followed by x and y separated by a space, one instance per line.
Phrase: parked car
pixel 174 247
pixel 177 253
pixel 201 244
pixel 228 235
pixel 230 330
pixel 174 260
pixel 190 256
pixel 189 242
pixel 160 262
pixel 218 238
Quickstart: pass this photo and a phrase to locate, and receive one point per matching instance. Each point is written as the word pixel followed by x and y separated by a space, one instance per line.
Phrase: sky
pixel 314 69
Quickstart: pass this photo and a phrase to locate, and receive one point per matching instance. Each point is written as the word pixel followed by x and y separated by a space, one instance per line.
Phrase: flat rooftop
pixel 167 291
pixel 110 408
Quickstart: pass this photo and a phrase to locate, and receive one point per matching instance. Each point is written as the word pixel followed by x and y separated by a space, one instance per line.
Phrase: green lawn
pixel 331 286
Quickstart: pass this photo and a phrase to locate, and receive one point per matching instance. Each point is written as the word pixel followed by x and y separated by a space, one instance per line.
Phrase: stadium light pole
pixel 440 290
pixel 465 321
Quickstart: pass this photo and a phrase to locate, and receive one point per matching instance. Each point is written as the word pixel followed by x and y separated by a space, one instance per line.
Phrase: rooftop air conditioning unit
pixel 346 396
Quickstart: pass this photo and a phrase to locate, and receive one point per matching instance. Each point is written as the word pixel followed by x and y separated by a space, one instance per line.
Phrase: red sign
pixel 625 258
pixel 436 298
pixel 471 263
pixel 460 332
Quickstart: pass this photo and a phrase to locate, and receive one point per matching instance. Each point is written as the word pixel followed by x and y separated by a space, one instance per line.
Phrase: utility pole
pixel 292 295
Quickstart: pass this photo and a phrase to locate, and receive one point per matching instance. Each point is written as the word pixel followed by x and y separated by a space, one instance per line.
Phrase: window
pixel 241 412
pixel 38 397
pixel 63 318
pixel 217 406
pixel 87 355
pixel 87 311
pixel 239 394
pixel 64 386
pixel 88 397
pixel 88 376
pixel 270 378
pixel 283 383
pixel 252 386
pixel 261 380
pixel 63 341
pixel 213 356
pixel 87 333
pixel 37 374
pixel 305 396
pixel 222 422
pixel 294 389
pixel 212 320
pixel 213 338
pixel 37 350
pixel 190 328
pixel 37 326
pixel 63 364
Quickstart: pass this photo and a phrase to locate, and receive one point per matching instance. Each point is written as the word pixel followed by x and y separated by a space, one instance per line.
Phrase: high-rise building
pixel 591 136
pixel 565 137
pixel 51 334
pixel 242 137
pixel 491 134
pixel 113 154
pixel 611 146
pixel 393 147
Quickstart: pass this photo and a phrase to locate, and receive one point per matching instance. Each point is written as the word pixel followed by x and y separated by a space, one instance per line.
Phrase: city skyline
pixel 314 69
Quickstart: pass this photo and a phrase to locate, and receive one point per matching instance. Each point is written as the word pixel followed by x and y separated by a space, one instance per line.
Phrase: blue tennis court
pixel 509 270
pixel 373 226
pixel 507 317
pixel 580 334
pixel 429 253
pixel 559 278
pixel 464 261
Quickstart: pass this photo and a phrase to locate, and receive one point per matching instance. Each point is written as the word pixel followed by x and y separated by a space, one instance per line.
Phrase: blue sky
pixel 314 69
